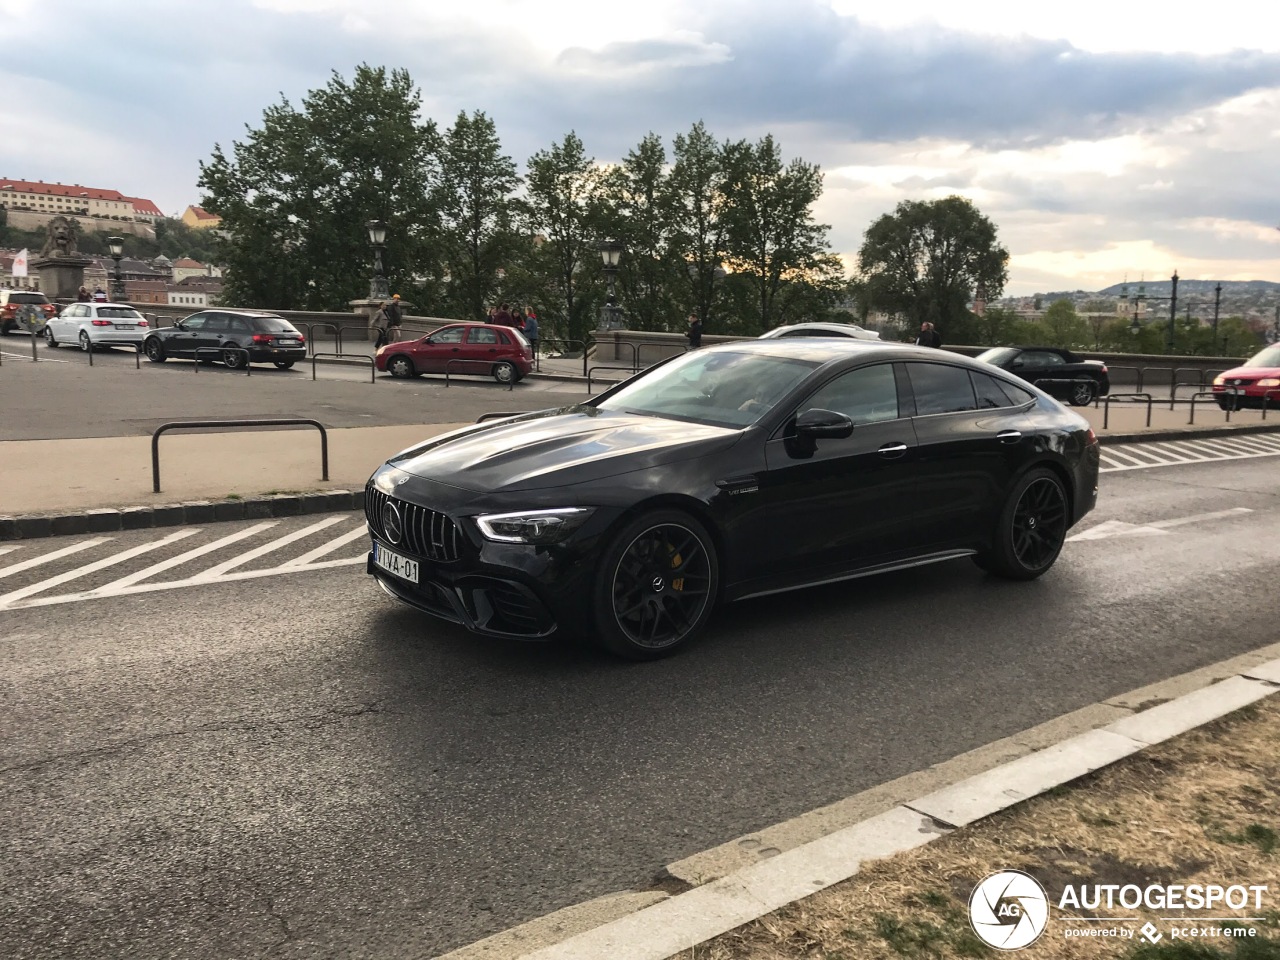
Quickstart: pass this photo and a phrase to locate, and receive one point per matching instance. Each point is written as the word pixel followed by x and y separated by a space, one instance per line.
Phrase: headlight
pixel 1219 381
pixel 533 526
pixel 1269 382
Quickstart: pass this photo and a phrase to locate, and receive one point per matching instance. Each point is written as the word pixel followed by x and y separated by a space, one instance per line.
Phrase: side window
pixel 939 388
pixel 1017 394
pixel 447 335
pixel 482 335
pixel 988 391
pixel 502 337
pixel 197 322
pixel 78 311
pixel 1041 358
pixel 238 324
pixel 217 323
pixel 865 395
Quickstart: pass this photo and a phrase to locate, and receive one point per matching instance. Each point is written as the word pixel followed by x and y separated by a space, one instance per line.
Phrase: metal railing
pixel 239 424
pixel 1069 382
pixel 664 346
pixel 511 384
pixel 1205 393
pixel 220 351
pixel 1137 374
pixel 137 352
pixel 340 358
pixel 1124 398
pixel 337 334
pixel 602 366
pixel 537 358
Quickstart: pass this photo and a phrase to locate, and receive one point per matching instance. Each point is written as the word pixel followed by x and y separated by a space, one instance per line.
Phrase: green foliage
pixel 1062 325
pixel 928 258
pixel 698 225
pixel 296 194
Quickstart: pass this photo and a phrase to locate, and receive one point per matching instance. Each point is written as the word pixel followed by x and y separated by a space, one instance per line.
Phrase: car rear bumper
pixel 276 354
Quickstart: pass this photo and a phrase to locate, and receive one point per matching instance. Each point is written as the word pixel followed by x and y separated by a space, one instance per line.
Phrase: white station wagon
pixel 93 325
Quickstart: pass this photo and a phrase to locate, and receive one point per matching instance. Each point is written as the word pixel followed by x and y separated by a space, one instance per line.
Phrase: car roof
pixel 822 349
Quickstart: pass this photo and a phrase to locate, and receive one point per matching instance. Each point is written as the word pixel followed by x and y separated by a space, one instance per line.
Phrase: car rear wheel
pixel 85 343
pixel 283 364
pixel 1032 528
pixel 505 372
pixel 48 336
pixel 1081 394
pixel 234 359
pixel 656 585
pixel 154 350
pixel 401 367
pixel 1229 403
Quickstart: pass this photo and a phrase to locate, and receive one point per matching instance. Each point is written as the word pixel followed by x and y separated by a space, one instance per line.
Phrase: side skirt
pixel 866 572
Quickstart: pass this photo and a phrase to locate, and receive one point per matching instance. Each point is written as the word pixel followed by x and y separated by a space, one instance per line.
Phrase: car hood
pixel 1252 373
pixel 558 448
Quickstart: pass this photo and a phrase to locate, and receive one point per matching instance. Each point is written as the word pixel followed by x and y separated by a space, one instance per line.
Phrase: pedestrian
pixel 695 332
pixel 504 315
pixel 380 323
pixel 395 314
pixel 531 331
pixel 99 295
pixel 517 318
pixel 84 296
pixel 929 336
pixel 493 315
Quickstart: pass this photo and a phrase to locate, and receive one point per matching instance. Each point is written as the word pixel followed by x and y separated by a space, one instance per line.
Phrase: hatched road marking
pixel 1140 456
pixel 142 581
pixel 1119 528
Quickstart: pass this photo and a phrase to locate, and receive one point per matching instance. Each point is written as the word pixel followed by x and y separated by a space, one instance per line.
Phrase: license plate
pixel 125 326
pixel 395 564
pixel 287 343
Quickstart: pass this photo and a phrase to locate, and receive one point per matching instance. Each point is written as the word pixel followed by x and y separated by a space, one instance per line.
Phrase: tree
pixel 697 220
pixel 294 197
pixel 998 326
pixel 561 196
pixel 477 186
pixel 1062 325
pixel 772 241
pixel 928 258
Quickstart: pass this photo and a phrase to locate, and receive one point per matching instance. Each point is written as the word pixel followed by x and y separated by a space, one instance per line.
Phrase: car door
pixel 183 340
pixel 1033 365
pixel 66 326
pixel 481 344
pixel 972 439
pixel 432 353
pixel 833 505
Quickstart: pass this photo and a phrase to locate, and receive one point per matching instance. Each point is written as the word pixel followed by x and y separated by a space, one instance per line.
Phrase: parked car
pixel 736 471
pixel 1089 378
pixel 491 349
pixel 24 310
pixel 1248 384
pixel 849 330
pixel 235 337
pixel 93 325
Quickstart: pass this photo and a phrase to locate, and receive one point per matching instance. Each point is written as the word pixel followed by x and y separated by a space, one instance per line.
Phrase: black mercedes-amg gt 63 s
pixel 735 471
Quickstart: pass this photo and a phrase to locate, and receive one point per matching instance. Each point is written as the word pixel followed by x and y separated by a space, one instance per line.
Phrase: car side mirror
pixel 819 424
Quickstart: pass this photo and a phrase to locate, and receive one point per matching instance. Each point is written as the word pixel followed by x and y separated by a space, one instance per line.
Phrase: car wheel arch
pixel 694 507
pixel 1061 471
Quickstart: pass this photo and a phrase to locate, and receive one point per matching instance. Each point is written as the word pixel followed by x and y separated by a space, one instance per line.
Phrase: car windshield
pixel 721 388
pixel 119 313
pixel 998 355
pixel 273 325
pixel 1269 357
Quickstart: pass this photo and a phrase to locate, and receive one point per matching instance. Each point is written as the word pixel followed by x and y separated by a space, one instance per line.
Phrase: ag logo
pixel 1008 910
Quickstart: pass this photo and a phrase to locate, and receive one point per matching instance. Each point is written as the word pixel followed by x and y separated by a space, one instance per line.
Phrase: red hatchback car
pixel 487 349
pixel 1248 385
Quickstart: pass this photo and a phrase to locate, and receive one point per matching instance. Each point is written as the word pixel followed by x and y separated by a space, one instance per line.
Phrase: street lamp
pixel 1173 307
pixel 610 254
pixel 378 289
pixel 116 246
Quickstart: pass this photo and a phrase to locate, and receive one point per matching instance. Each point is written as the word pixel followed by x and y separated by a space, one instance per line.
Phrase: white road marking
pixel 329 547
pixel 47 557
pixel 4 550
pixel 27 357
pixel 182 558
pixel 215 572
pixel 7 599
pixel 1146 455
pixel 1119 528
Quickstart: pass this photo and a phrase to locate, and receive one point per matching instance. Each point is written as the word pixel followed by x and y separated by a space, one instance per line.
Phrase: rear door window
pixel 987 389
pixel 482 335
pixel 940 388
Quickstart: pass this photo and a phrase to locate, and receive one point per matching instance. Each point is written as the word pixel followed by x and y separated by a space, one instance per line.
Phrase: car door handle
pixel 891 451
pixel 1009 436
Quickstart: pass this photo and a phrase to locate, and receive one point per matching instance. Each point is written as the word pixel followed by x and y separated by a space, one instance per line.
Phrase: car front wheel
pixel 48 336
pixel 401 367
pixel 656 585
pixel 1081 394
pixel 1031 529
pixel 154 350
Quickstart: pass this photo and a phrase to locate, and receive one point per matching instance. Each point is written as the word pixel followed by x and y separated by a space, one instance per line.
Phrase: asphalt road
pixel 65 397
pixel 291 765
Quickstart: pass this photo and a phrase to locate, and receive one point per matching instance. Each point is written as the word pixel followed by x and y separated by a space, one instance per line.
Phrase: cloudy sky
pixel 1102 138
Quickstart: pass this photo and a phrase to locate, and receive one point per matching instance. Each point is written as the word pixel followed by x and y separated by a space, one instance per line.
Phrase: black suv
pixel 235 337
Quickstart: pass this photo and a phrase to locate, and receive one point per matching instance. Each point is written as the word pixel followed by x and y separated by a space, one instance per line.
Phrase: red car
pixel 1247 385
pixel 499 351
pixel 24 309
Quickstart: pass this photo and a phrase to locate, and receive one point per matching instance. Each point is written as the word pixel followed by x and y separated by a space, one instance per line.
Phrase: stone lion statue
pixel 60 239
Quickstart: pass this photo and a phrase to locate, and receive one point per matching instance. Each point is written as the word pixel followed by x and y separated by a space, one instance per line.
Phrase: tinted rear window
pixel 27 298
pixel 119 313
pixel 273 325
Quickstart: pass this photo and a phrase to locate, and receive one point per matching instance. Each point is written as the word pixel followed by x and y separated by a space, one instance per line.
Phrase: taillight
pixel 143 323
pixel 301 338
pixel 102 323
pixel 262 338
pixel 1092 439
pixel 1104 368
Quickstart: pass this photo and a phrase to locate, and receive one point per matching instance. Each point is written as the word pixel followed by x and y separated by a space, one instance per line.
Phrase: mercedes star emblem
pixel 392 525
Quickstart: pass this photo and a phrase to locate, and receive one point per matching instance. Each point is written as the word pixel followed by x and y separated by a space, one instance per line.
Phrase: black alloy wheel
pixel 154 350
pixel 505 372
pixel 234 359
pixel 401 367
pixel 656 586
pixel 48 336
pixel 1032 528
pixel 283 364
pixel 86 344
pixel 1081 394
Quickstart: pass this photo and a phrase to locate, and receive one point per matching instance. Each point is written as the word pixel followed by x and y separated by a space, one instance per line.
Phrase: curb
pixel 680 922
pixel 1188 432
pixel 33 526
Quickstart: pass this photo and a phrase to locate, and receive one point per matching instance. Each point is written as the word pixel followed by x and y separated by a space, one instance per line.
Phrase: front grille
pixel 427 533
